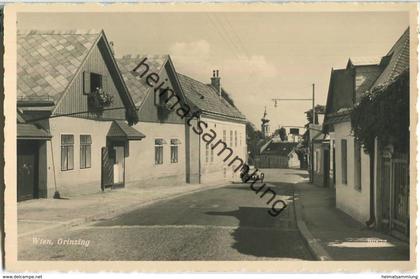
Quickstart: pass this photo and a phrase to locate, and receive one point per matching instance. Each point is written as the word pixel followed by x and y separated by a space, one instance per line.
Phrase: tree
pixel 253 136
pixel 282 133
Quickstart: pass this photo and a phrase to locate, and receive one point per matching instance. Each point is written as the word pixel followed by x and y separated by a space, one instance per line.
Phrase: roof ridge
pixel 29 32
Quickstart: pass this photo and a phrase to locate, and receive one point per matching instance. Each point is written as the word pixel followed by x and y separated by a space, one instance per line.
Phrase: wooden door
pixel 27 171
pixel 107 170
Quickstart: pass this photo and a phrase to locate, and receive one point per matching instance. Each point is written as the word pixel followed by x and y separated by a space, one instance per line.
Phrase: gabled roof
pixel 48 60
pixel 207 99
pixel 399 60
pixel 120 130
pixel 137 86
pixel 279 148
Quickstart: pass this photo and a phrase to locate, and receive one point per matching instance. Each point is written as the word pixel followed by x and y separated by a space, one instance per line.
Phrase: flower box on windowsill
pixel 99 99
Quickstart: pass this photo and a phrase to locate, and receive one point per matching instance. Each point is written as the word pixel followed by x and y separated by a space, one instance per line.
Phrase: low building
pixel 160 158
pixel 212 160
pixel 278 154
pixel 68 83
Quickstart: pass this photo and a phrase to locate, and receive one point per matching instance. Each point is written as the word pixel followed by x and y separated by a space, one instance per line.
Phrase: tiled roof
pixel 399 60
pixel 48 60
pixel 136 85
pixel 206 98
pixel 31 131
pixel 120 129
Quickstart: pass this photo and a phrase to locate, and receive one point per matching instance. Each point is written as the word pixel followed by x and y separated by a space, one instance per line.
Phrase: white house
pixel 207 161
pixel 69 85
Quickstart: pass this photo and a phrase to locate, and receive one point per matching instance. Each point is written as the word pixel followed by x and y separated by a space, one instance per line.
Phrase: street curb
pixel 118 211
pixel 313 244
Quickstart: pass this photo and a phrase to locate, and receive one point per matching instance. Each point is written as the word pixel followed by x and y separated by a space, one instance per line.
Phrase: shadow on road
pixel 262 235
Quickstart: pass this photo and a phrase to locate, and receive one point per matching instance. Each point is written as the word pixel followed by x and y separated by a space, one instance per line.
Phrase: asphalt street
pixel 228 223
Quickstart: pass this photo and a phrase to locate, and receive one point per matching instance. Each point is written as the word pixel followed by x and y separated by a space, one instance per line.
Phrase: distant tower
pixel 265 127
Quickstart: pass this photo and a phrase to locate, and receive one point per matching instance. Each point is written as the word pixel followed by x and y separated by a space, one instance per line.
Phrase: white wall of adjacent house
pixel 143 168
pixel 73 179
pixel 213 166
pixel 351 197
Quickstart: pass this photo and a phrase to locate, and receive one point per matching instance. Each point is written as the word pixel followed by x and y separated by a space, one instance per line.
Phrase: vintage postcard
pixel 210 137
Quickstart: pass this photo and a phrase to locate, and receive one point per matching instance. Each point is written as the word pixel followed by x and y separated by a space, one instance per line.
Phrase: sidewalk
pixel 334 235
pixel 43 214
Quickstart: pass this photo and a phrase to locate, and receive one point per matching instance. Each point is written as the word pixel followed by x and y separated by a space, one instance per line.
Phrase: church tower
pixel 265 127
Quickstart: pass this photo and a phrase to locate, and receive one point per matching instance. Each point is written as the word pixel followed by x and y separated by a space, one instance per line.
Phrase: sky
pixel 260 56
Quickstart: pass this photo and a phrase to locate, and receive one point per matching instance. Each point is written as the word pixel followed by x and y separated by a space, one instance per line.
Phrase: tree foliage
pixel 384 113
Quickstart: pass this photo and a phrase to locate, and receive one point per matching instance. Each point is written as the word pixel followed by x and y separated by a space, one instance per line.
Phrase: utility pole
pixel 313 103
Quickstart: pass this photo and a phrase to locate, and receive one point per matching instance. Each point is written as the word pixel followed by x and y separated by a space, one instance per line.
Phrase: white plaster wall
pixel 140 164
pixel 352 201
pixel 214 171
pixel 77 181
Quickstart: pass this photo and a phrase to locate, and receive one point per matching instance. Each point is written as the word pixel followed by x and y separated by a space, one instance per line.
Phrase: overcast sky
pixel 260 55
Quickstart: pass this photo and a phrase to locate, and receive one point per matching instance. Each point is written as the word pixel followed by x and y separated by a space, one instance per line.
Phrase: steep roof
pixel 48 60
pixel 279 148
pixel 399 59
pixel 136 85
pixel 207 99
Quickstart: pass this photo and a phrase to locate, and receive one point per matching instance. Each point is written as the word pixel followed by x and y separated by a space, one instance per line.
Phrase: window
pixel 67 152
pixel 236 138
pixel 95 82
pixel 357 166
pixel 212 154
pixel 92 82
pixel 163 98
pixel 174 150
pixel 240 139
pixel 159 151
pixel 344 161
pixel 231 139
pixel 85 151
pixel 224 136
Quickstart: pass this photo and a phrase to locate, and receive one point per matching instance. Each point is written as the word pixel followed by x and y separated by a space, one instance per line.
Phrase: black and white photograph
pixel 211 135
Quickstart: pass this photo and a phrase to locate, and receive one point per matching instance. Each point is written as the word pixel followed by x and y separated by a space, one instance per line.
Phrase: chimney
pixel 215 82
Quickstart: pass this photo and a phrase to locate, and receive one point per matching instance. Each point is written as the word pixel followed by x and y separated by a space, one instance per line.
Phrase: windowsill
pixel 69 170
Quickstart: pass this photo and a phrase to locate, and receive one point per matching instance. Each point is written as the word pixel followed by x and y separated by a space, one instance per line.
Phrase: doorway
pixel 119 165
pixel 27 171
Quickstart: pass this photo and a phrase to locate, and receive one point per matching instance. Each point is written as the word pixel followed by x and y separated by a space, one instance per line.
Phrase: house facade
pixel 208 162
pixel 352 182
pixel 70 86
pixel 160 158
pixel 361 189
pixel 278 154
